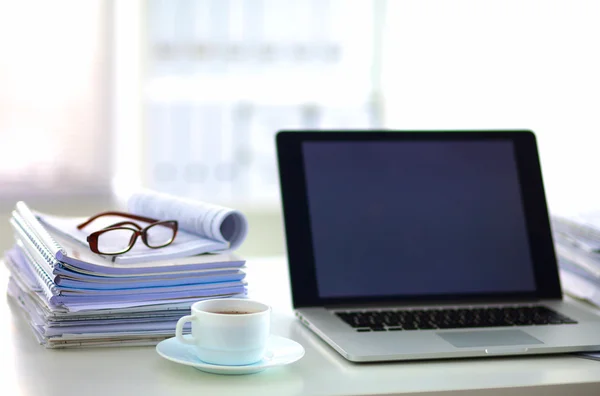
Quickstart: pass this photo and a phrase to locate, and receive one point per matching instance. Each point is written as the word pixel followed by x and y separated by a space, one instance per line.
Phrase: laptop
pixel 425 245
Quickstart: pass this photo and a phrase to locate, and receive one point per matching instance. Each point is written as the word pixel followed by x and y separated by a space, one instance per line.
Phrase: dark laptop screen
pixel 416 218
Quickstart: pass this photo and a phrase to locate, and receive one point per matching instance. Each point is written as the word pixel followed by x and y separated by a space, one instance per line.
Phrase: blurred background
pixel 98 98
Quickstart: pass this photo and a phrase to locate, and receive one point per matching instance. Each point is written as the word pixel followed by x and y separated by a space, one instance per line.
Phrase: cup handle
pixel 179 330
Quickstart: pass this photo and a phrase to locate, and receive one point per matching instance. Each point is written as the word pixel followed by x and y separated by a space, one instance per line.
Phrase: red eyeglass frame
pixel 137 231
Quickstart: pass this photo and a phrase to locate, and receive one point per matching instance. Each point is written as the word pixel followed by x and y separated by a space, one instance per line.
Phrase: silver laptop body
pixel 450 227
pixel 454 343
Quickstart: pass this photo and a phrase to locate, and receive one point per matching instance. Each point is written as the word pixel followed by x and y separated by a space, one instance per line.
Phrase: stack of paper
pixel 73 297
pixel 577 242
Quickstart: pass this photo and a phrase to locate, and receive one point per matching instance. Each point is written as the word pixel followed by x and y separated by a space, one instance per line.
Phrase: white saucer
pixel 280 351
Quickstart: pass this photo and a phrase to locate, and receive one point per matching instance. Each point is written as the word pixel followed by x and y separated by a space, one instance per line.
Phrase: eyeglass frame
pixel 138 231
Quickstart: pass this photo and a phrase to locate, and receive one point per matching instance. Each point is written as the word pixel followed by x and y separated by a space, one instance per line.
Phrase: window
pixel 53 101
pixel 220 78
pixel 185 96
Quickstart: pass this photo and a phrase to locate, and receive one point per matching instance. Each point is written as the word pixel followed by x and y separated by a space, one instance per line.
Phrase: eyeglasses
pixel 120 237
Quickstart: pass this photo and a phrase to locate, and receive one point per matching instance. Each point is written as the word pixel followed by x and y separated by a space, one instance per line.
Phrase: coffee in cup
pixel 227 331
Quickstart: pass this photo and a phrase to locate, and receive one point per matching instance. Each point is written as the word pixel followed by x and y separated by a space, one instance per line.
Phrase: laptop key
pixel 391 320
pixel 427 326
pixel 410 326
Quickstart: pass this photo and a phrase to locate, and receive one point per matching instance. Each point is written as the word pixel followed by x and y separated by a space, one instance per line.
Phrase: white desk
pixel 29 369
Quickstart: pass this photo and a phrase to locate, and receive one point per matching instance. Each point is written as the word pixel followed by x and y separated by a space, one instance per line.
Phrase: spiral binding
pixel 41 248
pixel 43 279
pixel 32 222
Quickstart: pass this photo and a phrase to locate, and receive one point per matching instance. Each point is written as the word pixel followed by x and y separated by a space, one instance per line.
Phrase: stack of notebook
pixel 74 297
pixel 577 242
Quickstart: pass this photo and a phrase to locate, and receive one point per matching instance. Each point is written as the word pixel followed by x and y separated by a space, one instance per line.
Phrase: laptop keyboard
pixel 459 318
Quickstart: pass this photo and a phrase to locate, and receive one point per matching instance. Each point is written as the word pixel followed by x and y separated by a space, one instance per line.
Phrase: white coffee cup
pixel 228 331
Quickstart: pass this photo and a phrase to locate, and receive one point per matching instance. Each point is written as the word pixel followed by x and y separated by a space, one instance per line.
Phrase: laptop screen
pixel 416 218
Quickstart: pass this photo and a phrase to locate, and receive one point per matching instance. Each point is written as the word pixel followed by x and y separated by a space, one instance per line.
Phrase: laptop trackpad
pixel 469 339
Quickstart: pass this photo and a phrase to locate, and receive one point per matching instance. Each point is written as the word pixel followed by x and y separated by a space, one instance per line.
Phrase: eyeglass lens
pixel 159 235
pixel 115 241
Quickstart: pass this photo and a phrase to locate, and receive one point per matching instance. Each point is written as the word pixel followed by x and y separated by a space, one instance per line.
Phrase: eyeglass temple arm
pixel 121 214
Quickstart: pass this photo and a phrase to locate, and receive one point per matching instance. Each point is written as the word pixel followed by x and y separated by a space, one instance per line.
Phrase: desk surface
pixel 28 368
